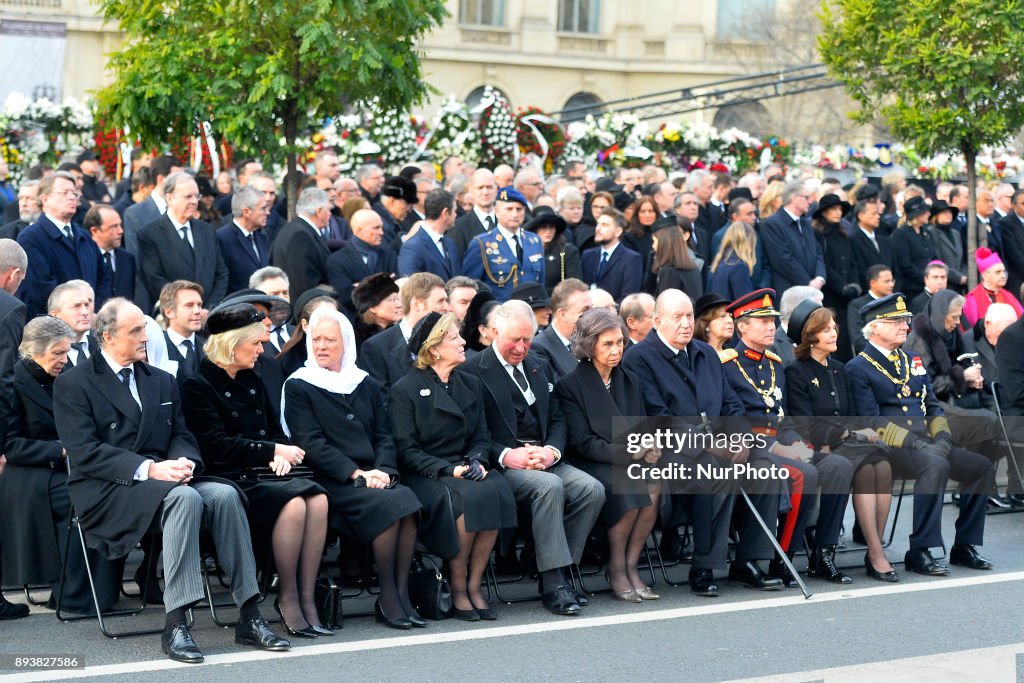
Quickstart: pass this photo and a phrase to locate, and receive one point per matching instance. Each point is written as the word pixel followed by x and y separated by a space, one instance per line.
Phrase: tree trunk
pixel 291 132
pixel 970 154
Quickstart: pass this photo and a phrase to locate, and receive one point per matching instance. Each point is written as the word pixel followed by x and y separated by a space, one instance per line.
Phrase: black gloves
pixel 922 446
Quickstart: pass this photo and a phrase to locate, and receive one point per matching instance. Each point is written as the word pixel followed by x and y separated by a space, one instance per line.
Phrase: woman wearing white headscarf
pixel 335 412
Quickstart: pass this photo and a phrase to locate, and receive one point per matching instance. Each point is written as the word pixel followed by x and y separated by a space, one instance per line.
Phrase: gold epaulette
pixel 938 425
pixel 771 355
pixel 894 436
pixel 726 355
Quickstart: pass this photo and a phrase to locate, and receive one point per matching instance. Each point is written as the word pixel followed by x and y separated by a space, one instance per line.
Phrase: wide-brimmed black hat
pixel 234 317
pixel 400 188
pixel 798 319
pixel 371 290
pixel 827 202
pixel 914 207
pixel 280 309
pixel 942 205
pixel 546 216
pixel 708 301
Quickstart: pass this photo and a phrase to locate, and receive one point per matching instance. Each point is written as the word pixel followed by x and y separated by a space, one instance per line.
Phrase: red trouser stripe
pixel 796 492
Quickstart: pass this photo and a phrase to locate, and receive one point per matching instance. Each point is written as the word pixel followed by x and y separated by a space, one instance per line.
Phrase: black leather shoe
pixel 320 630
pixel 581 599
pixel 416 620
pixel 888 577
pixel 402 623
pixel 750 575
pixel 823 565
pixel 702 582
pixel 177 643
pixel 997 503
pixel 920 561
pixel 671 546
pixel 561 600
pixel 967 556
pixel 778 570
pixel 1016 499
pixel 12 610
pixel 255 632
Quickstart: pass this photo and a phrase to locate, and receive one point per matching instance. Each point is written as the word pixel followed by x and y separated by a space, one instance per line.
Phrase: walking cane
pixel 778 548
pixel 1009 444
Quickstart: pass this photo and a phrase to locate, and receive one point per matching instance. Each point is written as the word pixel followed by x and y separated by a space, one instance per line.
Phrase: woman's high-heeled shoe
pixel 306 632
pixel 416 619
pixel 464 614
pixel 401 624
pixel 888 577
pixel 320 630
pixel 627 596
pixel 646 593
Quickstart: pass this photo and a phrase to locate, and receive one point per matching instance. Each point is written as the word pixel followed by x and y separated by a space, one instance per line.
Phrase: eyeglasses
pixel 67 193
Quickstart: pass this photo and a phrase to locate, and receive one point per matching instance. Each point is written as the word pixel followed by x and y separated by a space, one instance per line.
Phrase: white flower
pixel 16 105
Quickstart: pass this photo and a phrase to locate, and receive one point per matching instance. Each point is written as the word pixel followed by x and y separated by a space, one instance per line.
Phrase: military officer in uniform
pixel 506 256
pixel 885 380
pixel 757 376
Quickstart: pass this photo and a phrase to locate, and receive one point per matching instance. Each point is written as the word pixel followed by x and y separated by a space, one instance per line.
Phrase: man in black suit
pixel 140 187
pixel 869 246
pixel 103 224
pixel 429 249
pixel 687 206
pixel 481 219
pixel 13 264
pixel 790 244
pixel 702 184
pixel 386 355
pixel 300 248
pixel 274 283
pixel 568 301
pixel 28 210
pixel 152 207
pixel 133 464
pixel 370 179
pixel 881 282
pixel 363 256
pixel 243 170
pixel 936 276
pixel 611 265
pixel 179 247
pixel 528 435
pixel 1011 234
pixel 243 245
pixel 73 302
pixel 181 303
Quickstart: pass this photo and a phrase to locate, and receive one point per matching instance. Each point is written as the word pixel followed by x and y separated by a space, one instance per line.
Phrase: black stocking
pixel 287 543
pixel 478 559
pixel 618 538
pixel 385 552
pixel 458 564
pixel 403 561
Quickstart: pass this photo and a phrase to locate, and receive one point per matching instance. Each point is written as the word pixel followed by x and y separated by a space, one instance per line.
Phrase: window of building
pixel 579 105
pixel 482 12
pixel 579 16
pixel 477 94
pixel 745 19
pixel 751 117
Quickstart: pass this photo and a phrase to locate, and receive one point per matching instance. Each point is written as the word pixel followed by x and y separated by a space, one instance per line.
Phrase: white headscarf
pixel 343 381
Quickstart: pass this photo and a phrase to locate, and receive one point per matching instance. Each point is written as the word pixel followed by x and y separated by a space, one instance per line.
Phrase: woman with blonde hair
pixel 771 200
pixel 733 268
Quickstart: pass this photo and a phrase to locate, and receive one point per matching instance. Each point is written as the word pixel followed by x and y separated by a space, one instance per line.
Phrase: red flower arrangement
pixel 527 140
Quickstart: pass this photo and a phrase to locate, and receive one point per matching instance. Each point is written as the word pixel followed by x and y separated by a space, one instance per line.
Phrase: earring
pixel 231 358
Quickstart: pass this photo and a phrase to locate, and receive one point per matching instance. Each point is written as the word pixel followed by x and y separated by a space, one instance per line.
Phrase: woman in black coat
pixel 842 281
pixel 591 396
pixel 673 264
pixel 817 387
pixel 912 248
pixel 34 500
pixel 227 408
pixel 443 448
pixel 561 259
pixel 335 411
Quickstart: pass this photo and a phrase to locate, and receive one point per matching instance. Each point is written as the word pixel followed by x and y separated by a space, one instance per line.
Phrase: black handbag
pixel 327 597
pixel 429 591
pixel 267 474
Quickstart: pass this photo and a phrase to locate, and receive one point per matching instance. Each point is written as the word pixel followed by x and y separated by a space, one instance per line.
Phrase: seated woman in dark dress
pixel 34 500
pixel 443 450
pixel 336 412
pixel 227 408
pixel 293 354
pixel 598 390
pixel 817 387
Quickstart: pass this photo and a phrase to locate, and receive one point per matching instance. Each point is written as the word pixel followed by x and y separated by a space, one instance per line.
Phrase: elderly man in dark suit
pixel 611 265
pixel 683 378
pixel 480 218
pixel 386 355
pixel 133 468
pixel 103 224
pixel 13 264
pixel 360 258
pixel 300 248
pixel 429 249
pixel 869 245
pixel 568 301
pixel 57 251
pixel 178 247
pixel 243 244
pixel 73 302
pixel 26 210
pixel 527 438
pixel 790 244
pixel 152 207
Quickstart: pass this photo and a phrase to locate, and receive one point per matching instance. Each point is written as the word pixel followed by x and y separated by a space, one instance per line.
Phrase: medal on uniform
pixel 905 390
pixel 769 401
pixel 777 394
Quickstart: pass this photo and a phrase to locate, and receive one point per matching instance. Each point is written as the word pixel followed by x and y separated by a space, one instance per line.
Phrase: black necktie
pixel 602 265
pixel 684 359
pixel 108 261
pixel 69 234
pixel 184 237
pixel 190 353
pixel 799 227
pixel 80 347
pixel 520 378
pixel 281 341
pixel 490 223
pixel 126 377
pixel 518 247
pixel 252 242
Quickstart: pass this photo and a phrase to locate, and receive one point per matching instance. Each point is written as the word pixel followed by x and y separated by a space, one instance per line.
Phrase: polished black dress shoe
pixel 888 577
pixel 996 502
pixel 702 582
pixel 177 643
pixel 12 610
pixel 320 630
pixel 920 561
pixel 967 556
pixel 303 632
pixel 823 565
pixel 255 632
pixel 416 620
pixel 402 623
pixel 561 600
pixel 1015 499
pixel 750 575
pixel 778 570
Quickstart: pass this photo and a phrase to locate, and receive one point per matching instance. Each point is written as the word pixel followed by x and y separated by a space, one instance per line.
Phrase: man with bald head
pixel 362 256
pixel 483 189
pixel 503 175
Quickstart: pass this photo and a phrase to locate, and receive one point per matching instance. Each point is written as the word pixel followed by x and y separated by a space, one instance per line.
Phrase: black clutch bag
pixel 429 590
pixel 267 474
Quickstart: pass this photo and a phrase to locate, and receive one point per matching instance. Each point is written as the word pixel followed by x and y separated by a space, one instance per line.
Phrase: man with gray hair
pixel 128 473
pixel 637 311
pixel 28 210
pixel 243 243
pixel 784 346
pixel 530 185
pixel 528 435
pixel 177 246
pixel 301 247
pixel 793 252
pixel 73 302
pixel 370 179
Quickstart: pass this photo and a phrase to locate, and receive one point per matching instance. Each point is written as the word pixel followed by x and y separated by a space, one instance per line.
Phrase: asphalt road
pixel 967 625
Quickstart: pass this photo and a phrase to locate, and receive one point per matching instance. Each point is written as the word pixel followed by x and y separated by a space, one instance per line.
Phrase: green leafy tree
pixel 261 70
pixel 946 78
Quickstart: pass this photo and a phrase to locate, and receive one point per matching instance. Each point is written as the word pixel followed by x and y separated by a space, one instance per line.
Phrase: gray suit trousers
pixel 565 503
pixel 218 509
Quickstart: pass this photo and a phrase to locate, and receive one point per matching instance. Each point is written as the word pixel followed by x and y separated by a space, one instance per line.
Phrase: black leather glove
pixel 851 291
pixel 922 446
pixel 475 471
pixel 946 445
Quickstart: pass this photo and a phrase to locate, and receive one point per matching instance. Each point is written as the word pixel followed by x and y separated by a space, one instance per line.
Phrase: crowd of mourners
pixel 440 361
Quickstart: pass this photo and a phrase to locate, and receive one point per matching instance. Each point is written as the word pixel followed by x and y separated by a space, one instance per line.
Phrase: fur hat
pixel 371 290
